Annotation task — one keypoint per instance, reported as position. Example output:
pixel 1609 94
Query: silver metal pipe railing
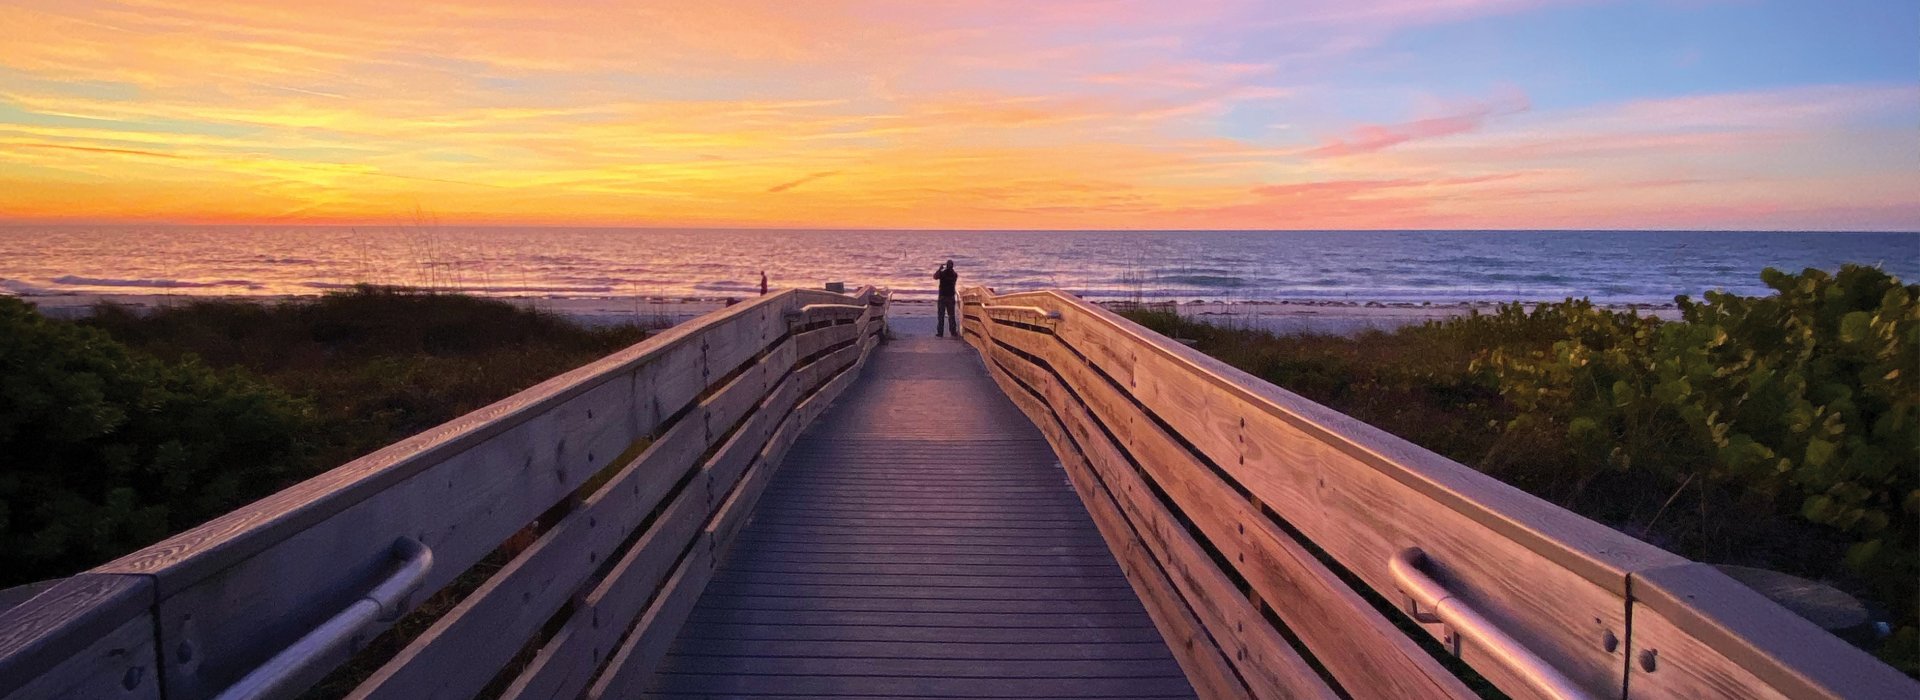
pixel 1052 315
pixel 1429 603
pixel 810 308
pixel 297 666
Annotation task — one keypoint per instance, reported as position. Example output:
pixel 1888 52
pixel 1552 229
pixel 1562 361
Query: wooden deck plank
pixel 806 635
pixel 866 590
pixel 765 553
pixel 870 545
pixel 993 668
pixel 970 619
pixel 921 540
pixel 903 538
pixel 1021 606
pixel 894 686
pixel 1026 651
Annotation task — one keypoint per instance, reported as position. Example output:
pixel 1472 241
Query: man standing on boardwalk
pixel 944 313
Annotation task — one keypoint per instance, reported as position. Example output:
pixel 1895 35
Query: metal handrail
pixel 290 671
pixel 810 308
pixel 1050 314
pixel 1462 621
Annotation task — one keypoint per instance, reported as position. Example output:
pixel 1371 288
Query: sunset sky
pixel 966 114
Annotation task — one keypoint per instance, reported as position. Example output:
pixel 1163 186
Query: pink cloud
pixel 1369 138
pixel 1548 145
pixel 1331 188
pixel 1349 188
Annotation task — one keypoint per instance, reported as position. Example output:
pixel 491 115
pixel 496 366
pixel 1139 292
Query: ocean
pixel 1440 267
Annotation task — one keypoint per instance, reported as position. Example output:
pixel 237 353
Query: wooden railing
pixel 1285 550
pixel 264 601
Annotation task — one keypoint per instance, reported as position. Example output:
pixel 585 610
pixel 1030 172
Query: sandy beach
pixel 1343 318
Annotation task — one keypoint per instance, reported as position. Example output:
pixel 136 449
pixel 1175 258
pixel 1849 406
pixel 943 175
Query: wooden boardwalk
pixel 920 541
pixel 1064 505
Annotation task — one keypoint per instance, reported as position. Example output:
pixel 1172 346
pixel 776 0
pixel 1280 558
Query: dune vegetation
pixel 125 427
pixel 1781 431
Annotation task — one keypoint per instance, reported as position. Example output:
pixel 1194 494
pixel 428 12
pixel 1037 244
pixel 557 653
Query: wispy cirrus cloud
pixel 1348 188
pixel 810 177
pixel 91 149
pixel 1369 138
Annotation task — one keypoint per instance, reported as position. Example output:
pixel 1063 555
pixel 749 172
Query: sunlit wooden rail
pixel 1173 527
pixel 252 603
pixel 1285 549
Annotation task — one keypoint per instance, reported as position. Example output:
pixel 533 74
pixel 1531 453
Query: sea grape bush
pixel 377 363
pixel 121 428
pixel 1806 401
pixel 104 449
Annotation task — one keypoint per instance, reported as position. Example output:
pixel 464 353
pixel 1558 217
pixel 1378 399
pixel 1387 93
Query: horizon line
pixel 5 223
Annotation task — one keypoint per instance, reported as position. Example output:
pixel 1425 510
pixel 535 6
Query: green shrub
pixel 1803 402
pixel 108 449
pixel 379 364
pixel 124 428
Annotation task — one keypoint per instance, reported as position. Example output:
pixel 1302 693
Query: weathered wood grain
pixel 755 440
pixel 226 595
pixel 740 503
pixel 1203 661
pixel 89 636
pixel 486 629
pixel 273 584
pixel 739 396
pixel 835 623
pixel 1264 660
pixel 229 538
pixel 492 623
pixel 813 341
pixel 1556 581
pixel 1699 634
pixel 748 686
pixel 733 344
pixel 627 672
pixel 1361 515
pixel 1359 646
pixel 728 465
pixel 748 435
pixel 567 664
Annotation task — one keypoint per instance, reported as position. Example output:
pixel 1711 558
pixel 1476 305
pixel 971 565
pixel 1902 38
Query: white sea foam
pixel 79 281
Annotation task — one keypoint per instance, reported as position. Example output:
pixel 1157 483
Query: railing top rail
pixel 1035 310
pixel 1598 553
pixel 1786 652
pixel 55 625
pixel 247 531
pixel 81 614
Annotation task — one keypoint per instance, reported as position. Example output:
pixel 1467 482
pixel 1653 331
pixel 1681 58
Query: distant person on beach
pixel 944 313
pixel 763 283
